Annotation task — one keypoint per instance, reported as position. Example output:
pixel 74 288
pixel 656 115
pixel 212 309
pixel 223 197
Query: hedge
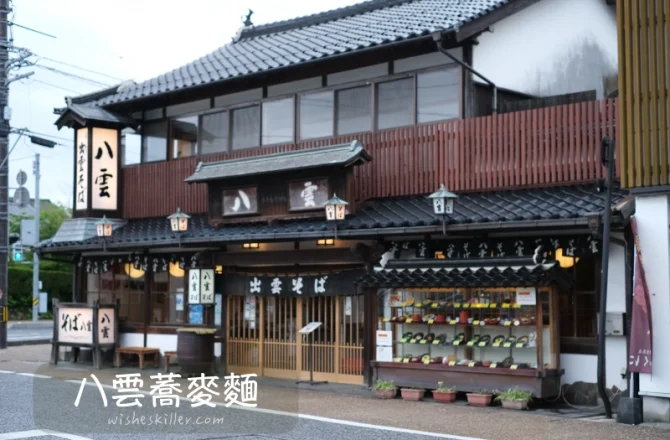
pixel 56 281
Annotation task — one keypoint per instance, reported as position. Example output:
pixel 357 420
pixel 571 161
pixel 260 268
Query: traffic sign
pixel 36 301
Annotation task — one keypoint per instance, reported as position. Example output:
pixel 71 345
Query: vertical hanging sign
pixel 105 169
pixel 194 286
pixel 81 169
pixel 207 286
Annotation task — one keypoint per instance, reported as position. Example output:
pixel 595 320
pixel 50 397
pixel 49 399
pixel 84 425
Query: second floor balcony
pixel 548 146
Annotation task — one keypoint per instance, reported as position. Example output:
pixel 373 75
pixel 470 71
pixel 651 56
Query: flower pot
pixel 386 394
pixel 444 397
pixel 409 394
pixel 479 399
pixel 514 404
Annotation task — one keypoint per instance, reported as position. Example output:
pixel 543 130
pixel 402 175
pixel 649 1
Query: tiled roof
pixel 334 155
pixel 292 42
pixel 446 274
pixel 564 206
pixel 81 113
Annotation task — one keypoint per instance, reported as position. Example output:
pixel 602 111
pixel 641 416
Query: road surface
pixel 21 333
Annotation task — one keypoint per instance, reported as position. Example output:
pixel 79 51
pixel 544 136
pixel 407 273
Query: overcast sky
pixel 122 39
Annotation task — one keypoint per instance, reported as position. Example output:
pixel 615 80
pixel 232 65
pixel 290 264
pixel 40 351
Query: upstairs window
pixel 214 133
pixel 354 112
pixel 246 127
pixel 316 115
pixel 278 121
pixel 131 147
pixel 184 136
pixel 395 103
pixel 154 141
pixel 437 95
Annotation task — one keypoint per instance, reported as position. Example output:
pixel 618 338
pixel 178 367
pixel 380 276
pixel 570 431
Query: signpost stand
pixel 85 326
pixel 308 331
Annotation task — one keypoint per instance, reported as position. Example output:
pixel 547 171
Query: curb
pixel 28 342
pixel 29 325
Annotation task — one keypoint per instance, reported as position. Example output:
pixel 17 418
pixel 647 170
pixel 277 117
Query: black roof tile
pixel 408 212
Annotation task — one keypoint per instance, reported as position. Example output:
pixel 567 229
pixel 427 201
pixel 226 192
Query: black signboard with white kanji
pixel 292 285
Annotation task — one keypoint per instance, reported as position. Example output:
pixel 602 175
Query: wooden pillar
pixel 146 301
pixel 370 330
pixel 468 99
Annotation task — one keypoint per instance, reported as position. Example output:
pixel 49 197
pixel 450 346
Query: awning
pixel 79 115
pixel 343 155
pixel 436 273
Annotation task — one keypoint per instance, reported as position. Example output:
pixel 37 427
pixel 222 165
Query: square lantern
pixel 336 208
pixel 104 228
pixel 443 201
pixel 179 221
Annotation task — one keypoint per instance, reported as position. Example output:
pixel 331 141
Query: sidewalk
pixel 358 405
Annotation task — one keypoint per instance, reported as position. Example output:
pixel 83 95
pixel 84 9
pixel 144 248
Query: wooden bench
pixel 140 352
pixel 167 356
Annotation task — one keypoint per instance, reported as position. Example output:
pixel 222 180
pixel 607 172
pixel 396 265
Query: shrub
pixel 384 385
pixel 516 394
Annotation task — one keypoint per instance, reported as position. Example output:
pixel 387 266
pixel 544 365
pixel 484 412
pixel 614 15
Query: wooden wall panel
pixel 644 84
pixel 530 148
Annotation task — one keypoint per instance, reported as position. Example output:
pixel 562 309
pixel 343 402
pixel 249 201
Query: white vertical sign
pixel 81 169
pixel 218 309
pixel 105 169
pixel 194 286
pixel 207 286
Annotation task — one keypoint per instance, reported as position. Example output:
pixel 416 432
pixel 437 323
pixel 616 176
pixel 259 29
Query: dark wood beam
pixel 286 258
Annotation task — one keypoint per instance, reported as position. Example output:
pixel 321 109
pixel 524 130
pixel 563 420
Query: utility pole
pixel 4 170
pixel 36 257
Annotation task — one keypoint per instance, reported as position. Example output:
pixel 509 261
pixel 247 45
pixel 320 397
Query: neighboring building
pixel 252 139
pixel 644 138
pixel 25 210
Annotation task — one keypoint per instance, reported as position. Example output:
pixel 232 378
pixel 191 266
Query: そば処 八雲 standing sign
pixel 194 286
pixel 104 169
pixel 81 169
pixel 207 286
pixel 75 325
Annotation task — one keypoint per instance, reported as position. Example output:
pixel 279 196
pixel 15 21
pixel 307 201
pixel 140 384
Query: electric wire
pixel 81 68
pixel 55 86
pixel 72 75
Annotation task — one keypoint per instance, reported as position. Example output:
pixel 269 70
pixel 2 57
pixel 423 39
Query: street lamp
pixel 179 223
pixel 336 210
pixel 104 229
pixel 443 204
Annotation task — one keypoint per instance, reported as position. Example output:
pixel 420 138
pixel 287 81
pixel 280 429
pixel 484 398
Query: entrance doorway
pixel 262 337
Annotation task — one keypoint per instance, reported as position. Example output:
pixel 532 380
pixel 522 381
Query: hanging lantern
pixel 179 221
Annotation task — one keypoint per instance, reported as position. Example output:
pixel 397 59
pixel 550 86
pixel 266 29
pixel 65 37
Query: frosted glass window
pixel 246 127
pixel 354 112
pixel 316 115
pixel 154 141
pixel 437 95
pixel 214 133
pixel 278 121
pixel 395 103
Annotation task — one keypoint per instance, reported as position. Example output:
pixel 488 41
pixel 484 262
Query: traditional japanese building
pixel 296 162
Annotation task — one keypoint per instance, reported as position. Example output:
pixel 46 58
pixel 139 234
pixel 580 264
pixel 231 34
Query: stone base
pixel 586 394
pixel 656 409
pixel 629 411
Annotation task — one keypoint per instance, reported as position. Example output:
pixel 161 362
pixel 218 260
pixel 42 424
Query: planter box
pixel 479 399
pixel 444 397
pixel 410 394
pixel 514 404
pixel 386 394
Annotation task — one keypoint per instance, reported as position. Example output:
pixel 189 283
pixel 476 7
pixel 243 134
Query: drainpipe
pixel 607 149
pixel 437 37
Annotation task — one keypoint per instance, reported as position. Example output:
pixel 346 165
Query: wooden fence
pixel 541 147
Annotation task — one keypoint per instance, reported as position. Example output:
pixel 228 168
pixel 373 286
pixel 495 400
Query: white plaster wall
pixel 579 368
pixel 653 218
pixel 131 339
pixel 552 47
pixel 162 342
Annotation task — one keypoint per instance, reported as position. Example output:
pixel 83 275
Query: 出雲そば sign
pixel 104 169
pixel 81 170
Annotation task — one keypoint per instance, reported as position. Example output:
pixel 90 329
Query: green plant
pixel 482 392
pixel 442 389
pixel 516 394
pixel 384 385
pixel 414 388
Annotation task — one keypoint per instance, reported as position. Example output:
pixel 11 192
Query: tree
pixel 51 217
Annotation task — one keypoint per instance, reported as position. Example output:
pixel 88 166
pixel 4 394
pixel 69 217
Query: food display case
pixel 472 338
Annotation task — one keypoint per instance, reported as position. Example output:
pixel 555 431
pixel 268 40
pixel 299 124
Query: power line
pixel 32 30
pixel 56 86
pixel 49 135
pixel 81 68
pixel 72 75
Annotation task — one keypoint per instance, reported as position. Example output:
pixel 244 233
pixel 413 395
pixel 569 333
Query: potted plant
pixel 480 398
pixel 444 394
pixel 385 389
pixel 414 394
pixel 515 399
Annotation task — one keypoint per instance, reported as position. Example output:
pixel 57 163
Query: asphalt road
pixel 21 333
pixel 44 408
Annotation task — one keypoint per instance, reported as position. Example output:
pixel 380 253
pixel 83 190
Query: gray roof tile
pixel 289 42
pixel 567 202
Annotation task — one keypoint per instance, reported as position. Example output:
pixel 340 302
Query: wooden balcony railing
pixel 541 147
